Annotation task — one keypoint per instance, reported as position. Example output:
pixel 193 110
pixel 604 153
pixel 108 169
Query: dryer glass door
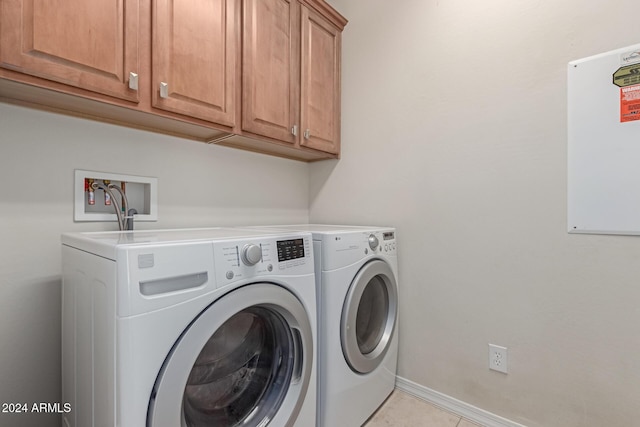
pixel 369 316
pixel 244 361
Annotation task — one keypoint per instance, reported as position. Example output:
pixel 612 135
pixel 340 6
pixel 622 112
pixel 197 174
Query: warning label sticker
pixel 630 103
pixel 627 76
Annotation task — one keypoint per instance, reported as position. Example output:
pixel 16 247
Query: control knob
pixel 373 242
pixel 251 254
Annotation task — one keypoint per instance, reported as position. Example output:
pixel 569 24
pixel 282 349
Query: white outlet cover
pixel 498 358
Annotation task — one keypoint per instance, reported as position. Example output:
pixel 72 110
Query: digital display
pixel 388 235
pixel 290 249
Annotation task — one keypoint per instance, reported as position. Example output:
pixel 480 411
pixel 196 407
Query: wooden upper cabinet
pixel 195 58
pixel 261 75
pixel 90 44
pixel 291 72
pixel 270 61
pixel 320 83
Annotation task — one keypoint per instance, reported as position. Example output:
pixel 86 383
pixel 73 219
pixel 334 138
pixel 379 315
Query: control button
pixel 230 274
pixel 251 254
pixel 366 251
pixel 270 267
pixel 386 248
pixel 373 241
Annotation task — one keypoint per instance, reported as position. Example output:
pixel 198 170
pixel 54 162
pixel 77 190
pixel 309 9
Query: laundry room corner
pixel 455 132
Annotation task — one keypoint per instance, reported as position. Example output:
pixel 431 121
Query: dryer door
pixel 369 316
pixel 244 361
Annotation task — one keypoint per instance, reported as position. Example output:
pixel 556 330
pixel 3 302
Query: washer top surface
pixel 105 243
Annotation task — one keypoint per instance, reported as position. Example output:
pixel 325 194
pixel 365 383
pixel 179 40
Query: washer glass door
pixel 243 369
pixel 369 316
pixel 244 361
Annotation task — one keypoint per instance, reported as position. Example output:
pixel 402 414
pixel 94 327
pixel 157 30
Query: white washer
pixel 193 327
pixel 356 277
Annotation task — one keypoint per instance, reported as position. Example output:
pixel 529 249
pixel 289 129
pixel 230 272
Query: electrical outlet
pixel 498 358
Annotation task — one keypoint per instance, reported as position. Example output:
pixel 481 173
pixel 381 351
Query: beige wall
pixel 198 185
pixel 454 131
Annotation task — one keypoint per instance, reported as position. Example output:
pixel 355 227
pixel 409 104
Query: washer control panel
pixel 263 256
pixel 251 254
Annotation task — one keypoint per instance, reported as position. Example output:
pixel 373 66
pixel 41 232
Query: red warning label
pixel 630 103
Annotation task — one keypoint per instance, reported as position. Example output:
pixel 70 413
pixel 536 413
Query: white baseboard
pixel 470 412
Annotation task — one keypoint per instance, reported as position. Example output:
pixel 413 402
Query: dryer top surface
pixel 327 229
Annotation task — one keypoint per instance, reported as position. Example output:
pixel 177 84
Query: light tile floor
pixel 403 410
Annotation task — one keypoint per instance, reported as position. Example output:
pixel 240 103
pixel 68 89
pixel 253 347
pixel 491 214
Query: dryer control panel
pixel 277 256
pixel 342 249
pixel 382 242
pixel 388 243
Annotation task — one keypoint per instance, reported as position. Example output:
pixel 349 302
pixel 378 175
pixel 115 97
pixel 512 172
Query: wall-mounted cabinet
pixel 194 53
pixel 259 75
pixel 320 82
pixel 270 62
pixel 89 44
pixel 291 75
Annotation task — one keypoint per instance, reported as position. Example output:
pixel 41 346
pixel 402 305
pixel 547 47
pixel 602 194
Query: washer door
pixel 244 361
pixel 369 316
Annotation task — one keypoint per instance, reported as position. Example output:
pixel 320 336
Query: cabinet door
pixel 195 51
pixel 320 83
pixel 90 44
pixel 270 80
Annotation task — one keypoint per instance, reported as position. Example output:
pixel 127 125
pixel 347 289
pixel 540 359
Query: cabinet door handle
pixel 307 134
pixel 133 81
pixel 164 90
pixel 294 130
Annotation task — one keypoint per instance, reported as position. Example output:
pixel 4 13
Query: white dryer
pixel 357 285
pixel 193 327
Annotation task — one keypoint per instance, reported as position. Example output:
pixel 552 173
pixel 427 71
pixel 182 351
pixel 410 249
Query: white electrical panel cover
pixel 604 143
